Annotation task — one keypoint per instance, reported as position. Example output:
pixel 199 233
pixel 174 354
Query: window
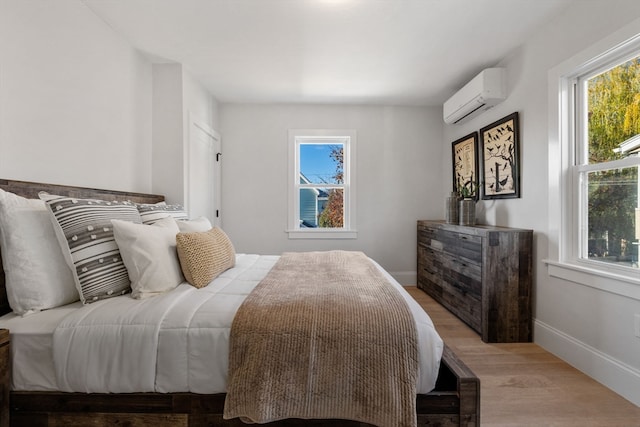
pixel 599 147
pixel 607 143
pixel 321 184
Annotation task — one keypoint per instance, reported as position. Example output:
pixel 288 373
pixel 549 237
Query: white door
pixel 204 173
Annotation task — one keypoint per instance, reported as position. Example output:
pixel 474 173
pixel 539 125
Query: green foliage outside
pixel 333 214
pixel 614 116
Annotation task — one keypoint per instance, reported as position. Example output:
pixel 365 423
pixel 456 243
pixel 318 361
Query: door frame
pixel 198 122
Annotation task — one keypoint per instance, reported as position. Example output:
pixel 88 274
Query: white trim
pixel 322 233
pixel 618 376
pixel 195 121
pixel 564 178
pixel 205 128
pixel 405 278
pixel 585 275
pixel 349 139
pixel 614 164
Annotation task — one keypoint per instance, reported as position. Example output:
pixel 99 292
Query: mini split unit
pixel 485 90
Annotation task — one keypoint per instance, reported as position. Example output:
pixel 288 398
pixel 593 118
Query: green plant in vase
pixel 467 211
pixel 468 190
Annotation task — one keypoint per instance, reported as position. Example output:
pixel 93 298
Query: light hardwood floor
pixel 523 385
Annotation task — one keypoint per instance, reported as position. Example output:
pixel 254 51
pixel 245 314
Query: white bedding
pixel 175 342
pixel 32 349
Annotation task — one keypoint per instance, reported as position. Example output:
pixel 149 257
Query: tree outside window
pixel 613 121
pixel 332 215
pixel 322 188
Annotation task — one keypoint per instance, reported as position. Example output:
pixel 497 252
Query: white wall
pixel 80 106
pixel 168 132
pixel 199 102
pixel 399 154
pixel 177 97
pixel 590 328
pixel 75 99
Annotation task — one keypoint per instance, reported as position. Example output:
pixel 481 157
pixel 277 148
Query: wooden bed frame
pixel 455 401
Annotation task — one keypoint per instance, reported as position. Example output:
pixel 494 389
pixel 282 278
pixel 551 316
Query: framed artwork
pixel 499 144
pixel 464 154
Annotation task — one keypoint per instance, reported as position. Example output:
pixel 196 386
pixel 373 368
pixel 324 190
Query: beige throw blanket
pixel 324 335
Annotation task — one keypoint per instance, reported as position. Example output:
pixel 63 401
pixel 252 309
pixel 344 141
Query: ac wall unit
pixel 483 92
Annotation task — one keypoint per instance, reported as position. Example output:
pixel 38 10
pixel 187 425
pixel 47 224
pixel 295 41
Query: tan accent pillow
pixel 204 255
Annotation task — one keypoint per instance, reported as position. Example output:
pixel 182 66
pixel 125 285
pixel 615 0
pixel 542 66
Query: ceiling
pixel 398 52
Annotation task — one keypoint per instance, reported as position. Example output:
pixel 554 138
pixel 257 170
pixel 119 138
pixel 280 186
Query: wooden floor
pixel 524 385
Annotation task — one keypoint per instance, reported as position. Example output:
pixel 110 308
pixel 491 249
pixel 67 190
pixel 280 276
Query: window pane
pixel 612 204
pixel 614 112
pixel 321 163
pixel 321 207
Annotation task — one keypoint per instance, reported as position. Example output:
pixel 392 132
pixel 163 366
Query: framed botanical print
pixel 499 150
pixel 464 153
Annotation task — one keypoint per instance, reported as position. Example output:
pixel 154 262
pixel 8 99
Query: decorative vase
pixel 451 208
pixel 467 212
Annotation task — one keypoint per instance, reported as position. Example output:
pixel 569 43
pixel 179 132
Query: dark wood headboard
pixel 31 189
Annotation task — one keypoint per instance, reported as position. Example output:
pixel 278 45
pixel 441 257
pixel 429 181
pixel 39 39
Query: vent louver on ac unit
pixel 483 92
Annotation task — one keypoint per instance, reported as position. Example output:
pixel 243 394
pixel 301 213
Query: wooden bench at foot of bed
pixel 454 402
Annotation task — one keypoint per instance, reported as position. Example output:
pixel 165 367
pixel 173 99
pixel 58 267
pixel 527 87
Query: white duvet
pixel 179 341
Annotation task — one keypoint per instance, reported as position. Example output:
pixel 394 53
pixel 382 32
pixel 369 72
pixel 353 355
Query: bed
pixel 453 401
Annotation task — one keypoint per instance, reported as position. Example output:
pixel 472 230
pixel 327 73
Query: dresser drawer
pixel 462 245
pixel 464 276
pixel 430 263
pixel 458 244
pixel 429 271
pixel 467 307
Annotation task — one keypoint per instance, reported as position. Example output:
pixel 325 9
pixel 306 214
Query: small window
pixel 321 189
pixel 605 173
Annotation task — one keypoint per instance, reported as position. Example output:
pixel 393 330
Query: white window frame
pixel 346 137
pixel 567 206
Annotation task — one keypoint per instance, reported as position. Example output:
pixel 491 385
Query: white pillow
pixel 149 253
pixel 194 225
pixel 37 276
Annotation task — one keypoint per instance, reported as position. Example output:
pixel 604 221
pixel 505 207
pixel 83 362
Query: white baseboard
pixel 616 375
pixel 405 278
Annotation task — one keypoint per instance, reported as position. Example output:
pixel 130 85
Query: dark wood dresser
pixel 482 274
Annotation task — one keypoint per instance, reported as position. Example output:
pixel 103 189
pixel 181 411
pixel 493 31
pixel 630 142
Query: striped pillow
pixel 150 213
pixel 85 233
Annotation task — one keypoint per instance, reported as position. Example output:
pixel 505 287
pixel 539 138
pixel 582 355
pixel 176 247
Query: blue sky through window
pixel 316 163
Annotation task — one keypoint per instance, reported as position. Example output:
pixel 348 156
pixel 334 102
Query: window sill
pixel 322 234
pixel 607 281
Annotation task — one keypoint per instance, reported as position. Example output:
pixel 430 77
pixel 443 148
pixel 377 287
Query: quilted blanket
pixel 179 341
pixel 324 335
